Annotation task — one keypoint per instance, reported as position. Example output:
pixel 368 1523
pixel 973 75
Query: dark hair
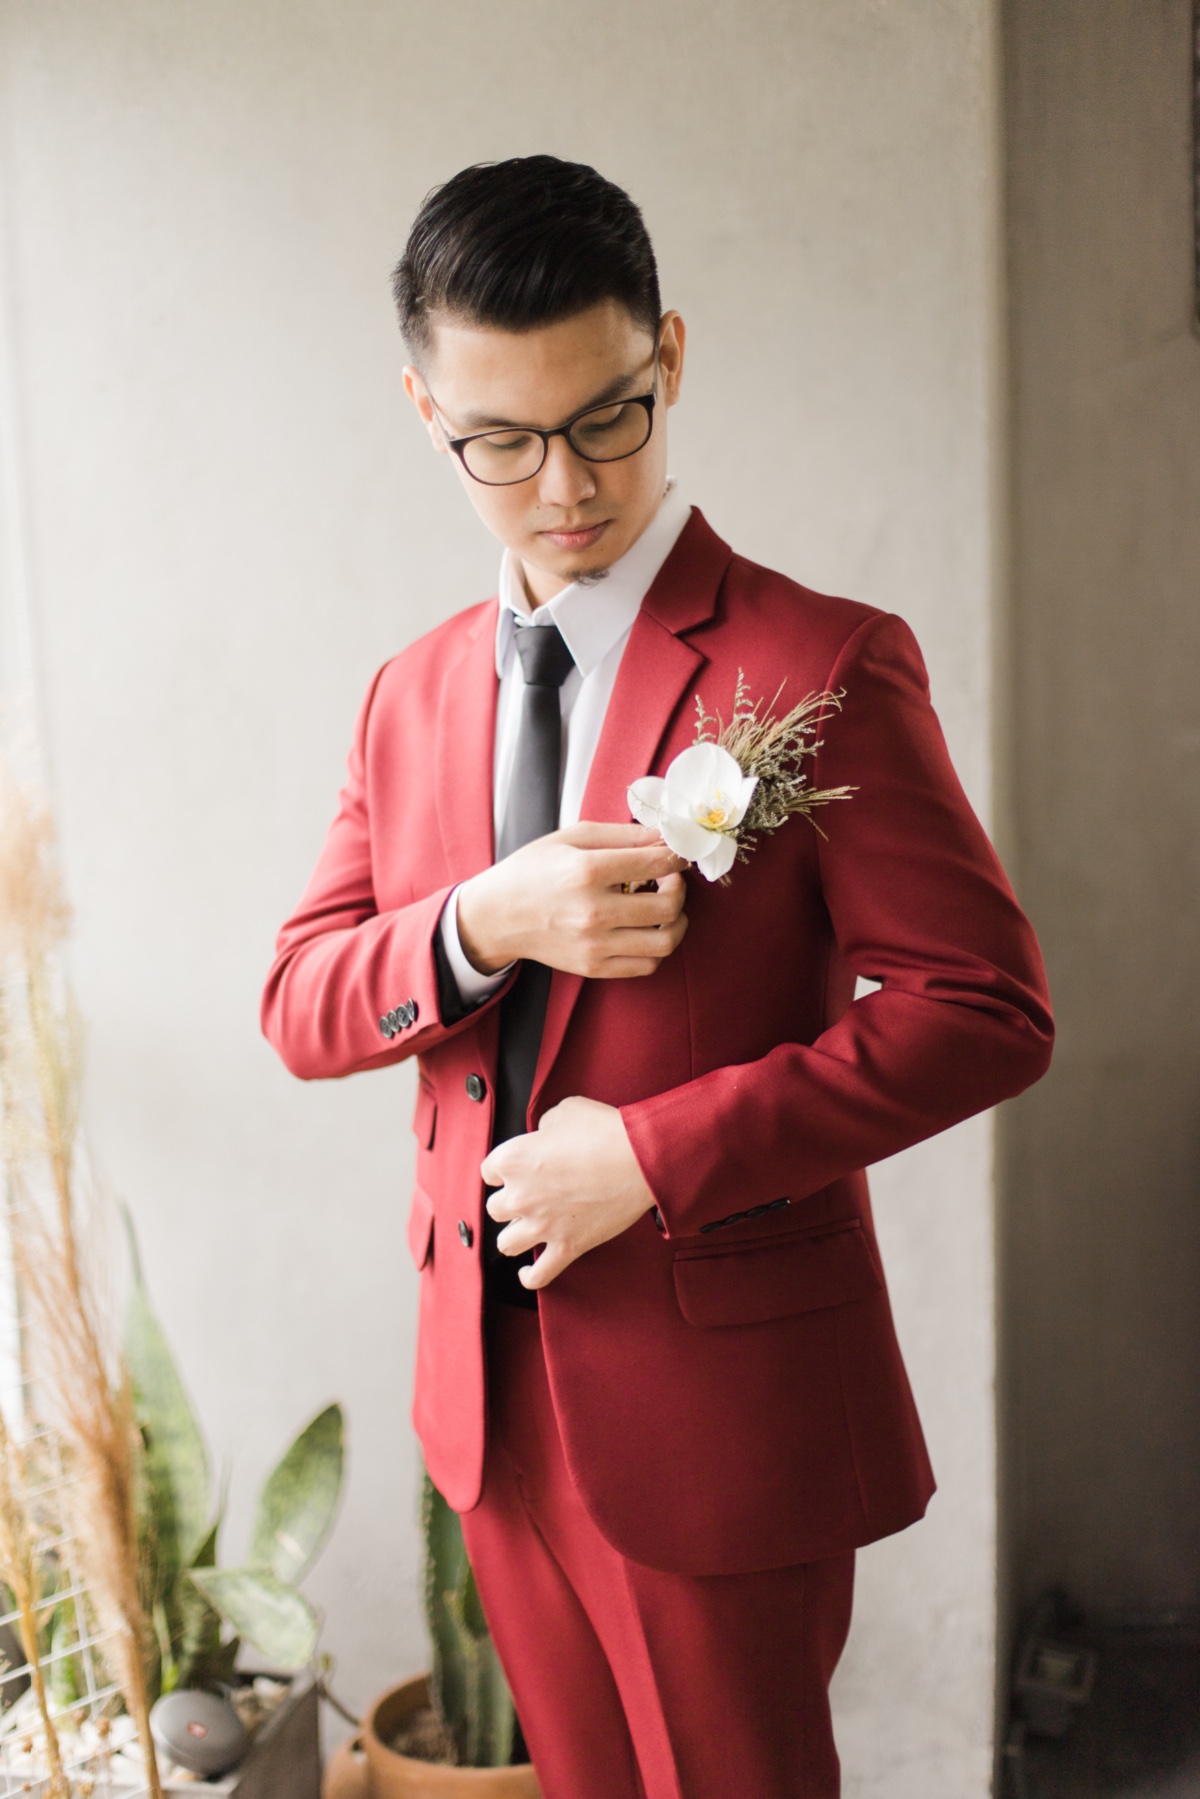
pixel 523 243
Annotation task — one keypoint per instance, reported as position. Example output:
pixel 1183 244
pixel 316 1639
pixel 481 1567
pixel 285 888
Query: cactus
pixel 466 1684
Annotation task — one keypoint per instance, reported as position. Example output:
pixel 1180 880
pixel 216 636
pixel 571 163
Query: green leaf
pixel 166 1678
pixel 178 1487
pixel 297 1505
pixel 445 1559
pixel 498 1717
pixel 271 1616
pixel 489 1715
pixel 206 1552
pixel 467 1682
pixel 65 1672
pixel 197 1632
pixel 217 1669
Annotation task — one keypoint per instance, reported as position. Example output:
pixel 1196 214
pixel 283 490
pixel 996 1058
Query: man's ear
pixel 418 393
pixel 672 338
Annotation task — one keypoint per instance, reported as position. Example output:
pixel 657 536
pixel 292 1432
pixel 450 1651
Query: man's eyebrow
pixel 616 389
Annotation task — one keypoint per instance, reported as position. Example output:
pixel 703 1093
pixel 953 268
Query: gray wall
pixel 231 520
pixel 1100 1216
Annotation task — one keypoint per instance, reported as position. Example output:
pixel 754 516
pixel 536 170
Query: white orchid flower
pixel 697 806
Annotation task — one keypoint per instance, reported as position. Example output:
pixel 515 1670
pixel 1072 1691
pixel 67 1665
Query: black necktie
pixel 531 811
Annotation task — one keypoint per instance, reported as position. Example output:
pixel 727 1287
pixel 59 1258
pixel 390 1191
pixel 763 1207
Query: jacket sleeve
pixel 918 901
pixel 352 987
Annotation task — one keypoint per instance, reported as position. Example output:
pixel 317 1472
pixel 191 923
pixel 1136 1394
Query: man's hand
pixel 572 1184
pixel 559 901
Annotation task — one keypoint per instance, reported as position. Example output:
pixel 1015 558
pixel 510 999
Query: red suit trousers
pixel 632 1682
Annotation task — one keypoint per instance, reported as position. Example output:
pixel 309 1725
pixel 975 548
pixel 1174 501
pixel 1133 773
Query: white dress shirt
pixel 595 622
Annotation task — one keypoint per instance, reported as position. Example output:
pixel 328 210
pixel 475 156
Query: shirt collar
pixel 593 618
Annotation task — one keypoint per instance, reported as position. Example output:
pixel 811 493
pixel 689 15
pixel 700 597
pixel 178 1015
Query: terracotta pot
pixel 368 1769
pixel 346 1773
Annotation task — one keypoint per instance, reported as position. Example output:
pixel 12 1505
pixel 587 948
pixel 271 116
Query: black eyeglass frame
pixel 647 401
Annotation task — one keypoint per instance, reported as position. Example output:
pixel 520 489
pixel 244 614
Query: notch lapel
pixel 465 749
pixel 658 671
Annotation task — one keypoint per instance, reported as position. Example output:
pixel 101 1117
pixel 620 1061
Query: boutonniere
pixel 737 781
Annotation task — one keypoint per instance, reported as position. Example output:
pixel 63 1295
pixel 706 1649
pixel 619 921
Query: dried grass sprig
pixel 19 1571
pixel 773 748
pixel 88 1402
pixel 78 1372
pixel 33 909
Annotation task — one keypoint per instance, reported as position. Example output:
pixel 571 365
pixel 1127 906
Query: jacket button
pixel 466 1233
pixel 386 1026
pixel 476 1087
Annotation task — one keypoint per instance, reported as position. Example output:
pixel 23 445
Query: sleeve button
pixel 466 1233
pixel 476 1088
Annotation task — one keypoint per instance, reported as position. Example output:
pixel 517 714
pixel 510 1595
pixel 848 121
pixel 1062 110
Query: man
pixel 656 1368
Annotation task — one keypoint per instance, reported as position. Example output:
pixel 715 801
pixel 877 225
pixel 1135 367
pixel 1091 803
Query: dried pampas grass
pixel 82 1389
pixel 19 1571
pixel 33 911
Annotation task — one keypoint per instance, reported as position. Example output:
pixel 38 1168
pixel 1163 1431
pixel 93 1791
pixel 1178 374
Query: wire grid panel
pixel 96 1741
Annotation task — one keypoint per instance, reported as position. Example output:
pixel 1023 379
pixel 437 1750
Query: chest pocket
pixel 751 1283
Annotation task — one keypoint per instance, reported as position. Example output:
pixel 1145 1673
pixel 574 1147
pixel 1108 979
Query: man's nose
pixel 564 479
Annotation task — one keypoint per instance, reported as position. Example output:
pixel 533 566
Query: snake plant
pixel 190 1598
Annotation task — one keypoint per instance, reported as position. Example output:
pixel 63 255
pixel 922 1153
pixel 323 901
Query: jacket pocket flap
pixel 420 1227
pixel 755 1282
pixel 425 1116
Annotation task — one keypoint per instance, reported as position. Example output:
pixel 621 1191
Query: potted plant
pixel 110 1592
pixel 188 1594
pixel 451 1734
pixel 202 1613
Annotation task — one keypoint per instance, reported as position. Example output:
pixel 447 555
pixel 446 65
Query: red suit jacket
pixel 728 1386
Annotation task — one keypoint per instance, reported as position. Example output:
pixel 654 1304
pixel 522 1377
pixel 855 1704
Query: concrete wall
pixel 1100 1222
pixel 230 521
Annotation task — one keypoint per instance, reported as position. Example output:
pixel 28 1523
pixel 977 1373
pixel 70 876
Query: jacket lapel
pixel 658 673
pixel 465 748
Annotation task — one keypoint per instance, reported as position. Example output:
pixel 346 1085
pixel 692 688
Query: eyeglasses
pixel 601 434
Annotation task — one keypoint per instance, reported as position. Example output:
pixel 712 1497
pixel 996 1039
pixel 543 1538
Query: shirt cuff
pixel 473 987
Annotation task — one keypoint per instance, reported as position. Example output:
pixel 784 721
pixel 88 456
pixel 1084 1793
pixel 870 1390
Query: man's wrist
pixel 471 935
pixel 474 984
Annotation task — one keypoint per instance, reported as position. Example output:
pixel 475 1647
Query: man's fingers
pixel 639 953
pixel 643 911
pixel 627 968
pixel 499 1164
pixel 672 887
pixel 646 862
pixel 656 903
pixel 553 1259
pixel 502 1162
pixel 590 835
pixel 657 943
pixel 517 1237
pixel 498 1205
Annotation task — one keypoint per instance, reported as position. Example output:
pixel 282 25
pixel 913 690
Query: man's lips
pixel 580 539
